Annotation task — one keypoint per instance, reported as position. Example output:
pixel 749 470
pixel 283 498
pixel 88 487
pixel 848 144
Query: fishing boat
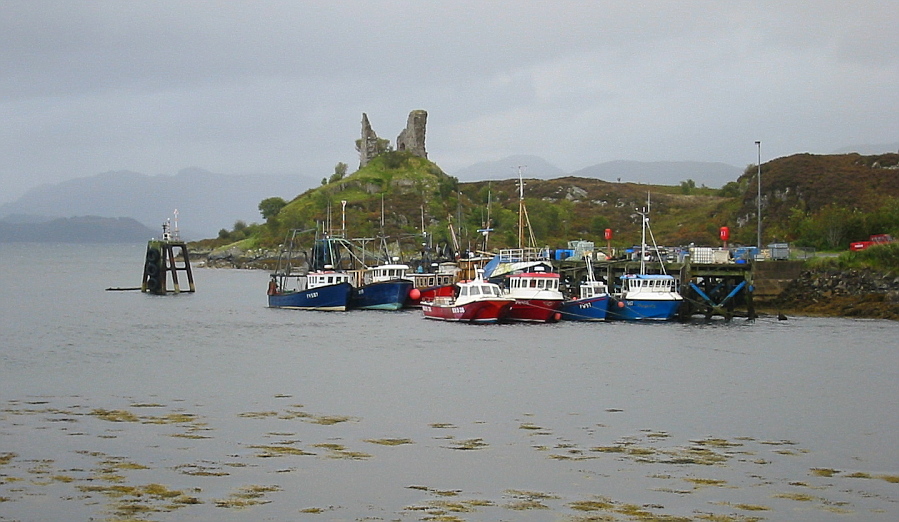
pixel 327 291
pixel 646 296
pixel 475 302
pixel 537 297
pixel 293 285
pixel 592 302
pixel 384 287
pixel 428 285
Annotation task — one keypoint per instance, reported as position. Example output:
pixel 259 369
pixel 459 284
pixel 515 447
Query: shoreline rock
pixel 859 293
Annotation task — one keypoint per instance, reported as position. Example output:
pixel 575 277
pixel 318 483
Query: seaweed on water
pixel 390 442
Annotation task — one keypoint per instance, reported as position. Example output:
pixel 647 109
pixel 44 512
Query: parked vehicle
pixel 876 239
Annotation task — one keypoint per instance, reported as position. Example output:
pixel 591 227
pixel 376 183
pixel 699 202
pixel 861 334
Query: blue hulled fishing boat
pixel 592 302
pixel 297 284
pixel 646 296
pixel 384 287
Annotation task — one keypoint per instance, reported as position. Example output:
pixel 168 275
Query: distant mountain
pixel 86 229
pixel 206 202
pixel 532 167
pixel 713 175
pixel 869 149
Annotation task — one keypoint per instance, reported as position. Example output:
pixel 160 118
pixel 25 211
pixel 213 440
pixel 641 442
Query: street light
pixel 758 144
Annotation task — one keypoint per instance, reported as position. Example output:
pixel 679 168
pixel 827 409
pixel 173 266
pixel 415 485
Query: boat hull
pixel 535 310
pixel 484 311
pixel 587 309
pixel 332 298
pixel 384 295
pixel 623 309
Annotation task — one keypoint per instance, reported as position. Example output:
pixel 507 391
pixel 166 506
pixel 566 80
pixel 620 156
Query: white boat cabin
pixel 383 273
pixel 479 288
pixel 651 287
pixel 535 285
pixel 471 291
pixel 320 279
pixel 591 289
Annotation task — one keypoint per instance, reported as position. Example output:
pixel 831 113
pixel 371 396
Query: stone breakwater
pixel 844 293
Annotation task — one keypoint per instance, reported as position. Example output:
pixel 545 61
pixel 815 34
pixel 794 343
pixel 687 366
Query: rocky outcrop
pixel 845 293
pixel 234 257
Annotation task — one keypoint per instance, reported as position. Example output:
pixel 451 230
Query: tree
pixel 339 172
pixel 269 207
pixel 686 187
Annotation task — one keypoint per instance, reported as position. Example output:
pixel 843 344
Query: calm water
pixel 210 406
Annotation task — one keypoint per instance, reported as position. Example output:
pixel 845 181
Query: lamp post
pixel 758 145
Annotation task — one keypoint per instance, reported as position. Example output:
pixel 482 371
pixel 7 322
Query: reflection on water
pixel 209 406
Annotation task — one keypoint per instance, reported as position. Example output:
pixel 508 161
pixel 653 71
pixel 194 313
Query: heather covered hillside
pixel 818 201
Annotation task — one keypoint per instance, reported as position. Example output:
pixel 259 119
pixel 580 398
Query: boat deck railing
pixel 510 255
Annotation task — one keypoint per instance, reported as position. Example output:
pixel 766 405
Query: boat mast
pixel 523 214
pixel 645 218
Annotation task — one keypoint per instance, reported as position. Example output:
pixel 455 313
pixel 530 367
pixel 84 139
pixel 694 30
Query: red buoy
pixel 724 233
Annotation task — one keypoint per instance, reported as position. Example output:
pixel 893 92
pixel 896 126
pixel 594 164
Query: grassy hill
pixel 821 201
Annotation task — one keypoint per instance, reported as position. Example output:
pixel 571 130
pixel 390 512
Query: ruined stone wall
pixel 368 145
pixel 412 138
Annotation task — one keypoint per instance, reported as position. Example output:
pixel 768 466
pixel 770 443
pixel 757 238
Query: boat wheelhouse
pixel 474 302
pixel 384 287
pixel 592 303
pixel 537 297
pixel 646 297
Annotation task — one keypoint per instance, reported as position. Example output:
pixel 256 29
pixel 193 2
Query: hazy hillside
pixel 532 167
pixel 819 201
pixel 709 174
pixel 205 201
pixel 870 149
pixel 713 175
pixel 86 229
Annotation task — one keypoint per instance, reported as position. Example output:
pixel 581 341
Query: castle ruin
pixel 411 139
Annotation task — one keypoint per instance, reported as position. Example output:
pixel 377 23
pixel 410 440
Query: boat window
pixel 463 291
pixel 533 283
pixel 475 290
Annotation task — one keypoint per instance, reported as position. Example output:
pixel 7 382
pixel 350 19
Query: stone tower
pixel 412 138
pixel 368 145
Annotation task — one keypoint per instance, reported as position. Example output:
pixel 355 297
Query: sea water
pixel 118 405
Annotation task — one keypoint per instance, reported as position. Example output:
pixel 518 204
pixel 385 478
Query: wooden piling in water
pixel 161 264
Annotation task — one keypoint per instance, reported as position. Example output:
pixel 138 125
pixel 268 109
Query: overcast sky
pixel 280 87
